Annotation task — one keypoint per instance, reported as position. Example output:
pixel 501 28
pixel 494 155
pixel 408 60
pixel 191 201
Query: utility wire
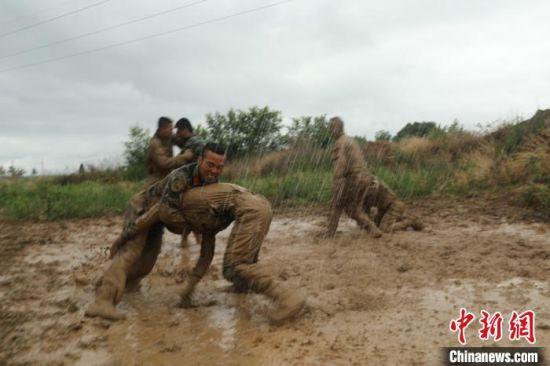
pixel 103 29
pixel 39 12
pixel 53 18
pixel 155 35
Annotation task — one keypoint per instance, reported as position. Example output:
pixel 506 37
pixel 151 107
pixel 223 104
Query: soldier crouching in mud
pixel 133 258
pixel 359 193
pixel 211 209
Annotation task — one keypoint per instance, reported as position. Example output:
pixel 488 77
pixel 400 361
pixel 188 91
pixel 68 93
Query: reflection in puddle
pixel 224 319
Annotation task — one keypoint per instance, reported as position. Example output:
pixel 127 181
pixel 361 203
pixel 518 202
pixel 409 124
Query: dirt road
pixel 384 301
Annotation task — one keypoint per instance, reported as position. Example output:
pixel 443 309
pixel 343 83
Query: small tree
pixel 417 129
pixel 246 132
pixel 309 129
pixel 2 171
pixel 34 172
pixel 15 172
pixel 382 135
pixel 135 153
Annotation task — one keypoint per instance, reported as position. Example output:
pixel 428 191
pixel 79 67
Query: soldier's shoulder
pixel 155 141
pixel 184 170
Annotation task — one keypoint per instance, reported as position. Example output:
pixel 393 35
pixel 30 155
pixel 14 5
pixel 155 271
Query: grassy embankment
pixel 512 162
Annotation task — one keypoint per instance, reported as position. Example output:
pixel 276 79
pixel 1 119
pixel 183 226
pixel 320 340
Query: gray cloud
pixel 377 64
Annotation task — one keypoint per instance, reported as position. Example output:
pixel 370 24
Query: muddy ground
pixel 384 301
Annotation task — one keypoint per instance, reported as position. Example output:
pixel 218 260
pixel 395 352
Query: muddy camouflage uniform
pixel 161 160
pixel 357 192
pixel 194 143
pixel 135 252
pixel 192 147
pixel 212 208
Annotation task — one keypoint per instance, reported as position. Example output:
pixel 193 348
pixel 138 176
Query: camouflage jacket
pixel 194 143
pixel 168 192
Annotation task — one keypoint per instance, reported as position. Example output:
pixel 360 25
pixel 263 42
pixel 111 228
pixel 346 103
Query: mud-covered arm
pixel 162 159
pixel 205 259
pixel 335 207
pixel 203 263
pixel 170 211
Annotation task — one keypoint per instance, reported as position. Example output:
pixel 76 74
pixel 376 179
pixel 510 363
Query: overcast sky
pixel 378 64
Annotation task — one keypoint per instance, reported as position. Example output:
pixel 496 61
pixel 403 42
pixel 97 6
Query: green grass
pixel 38 199
pixel 297 188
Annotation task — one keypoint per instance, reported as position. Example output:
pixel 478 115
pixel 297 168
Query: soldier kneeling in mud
pixel 360 194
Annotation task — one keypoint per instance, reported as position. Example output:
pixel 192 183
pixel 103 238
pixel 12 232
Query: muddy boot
pixel 103 306
pixel 289 303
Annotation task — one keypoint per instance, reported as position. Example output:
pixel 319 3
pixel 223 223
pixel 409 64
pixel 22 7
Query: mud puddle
pixel 376 301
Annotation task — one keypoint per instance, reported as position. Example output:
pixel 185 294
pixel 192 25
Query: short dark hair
pixel 214 147
pixel 163 121
pixel 184 123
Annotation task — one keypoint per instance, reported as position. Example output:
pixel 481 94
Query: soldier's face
pixel 166 131
pixel 211 166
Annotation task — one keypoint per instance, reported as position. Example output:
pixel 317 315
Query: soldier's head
pixel 184 128
pixel 211 162
pixel 336 127
pixel 164 128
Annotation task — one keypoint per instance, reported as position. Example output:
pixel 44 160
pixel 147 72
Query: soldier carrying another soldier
pixel 133 256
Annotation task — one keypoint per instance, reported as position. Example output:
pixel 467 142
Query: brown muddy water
pixel 384 301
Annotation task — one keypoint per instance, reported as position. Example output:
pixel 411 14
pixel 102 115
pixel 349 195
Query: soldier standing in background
pixel 160 157
pixel 191 146
pixel 186 139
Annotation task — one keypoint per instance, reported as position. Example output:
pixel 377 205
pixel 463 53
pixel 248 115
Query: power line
pixel 102 29
pixel 53 18
pixel 41 11
pixel 155 35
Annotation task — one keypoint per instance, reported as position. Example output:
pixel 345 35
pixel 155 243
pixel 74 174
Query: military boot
pixel 103 305
pixel 289 303
pixel 258 280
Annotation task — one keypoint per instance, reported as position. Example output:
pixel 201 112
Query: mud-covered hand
pixel 185 295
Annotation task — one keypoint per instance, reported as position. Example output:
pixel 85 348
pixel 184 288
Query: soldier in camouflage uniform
pixel 187 141
pixel 357 192
pixel 135 252
pixel 212 208
pixel 160 158
pixel 191 146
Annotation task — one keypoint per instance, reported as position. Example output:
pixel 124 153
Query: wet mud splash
pixel 376 301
